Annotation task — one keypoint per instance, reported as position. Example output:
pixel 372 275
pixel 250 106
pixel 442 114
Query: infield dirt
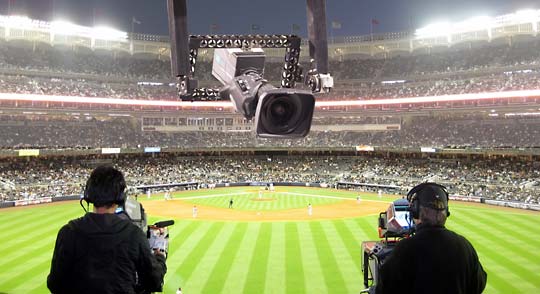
pixel 345 209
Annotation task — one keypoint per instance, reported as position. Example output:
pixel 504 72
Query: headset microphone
pixel 163 224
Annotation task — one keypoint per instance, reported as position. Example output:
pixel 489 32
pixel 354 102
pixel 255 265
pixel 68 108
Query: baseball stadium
pixel 257 209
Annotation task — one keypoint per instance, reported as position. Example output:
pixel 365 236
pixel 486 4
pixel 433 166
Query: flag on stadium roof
pixel 336 25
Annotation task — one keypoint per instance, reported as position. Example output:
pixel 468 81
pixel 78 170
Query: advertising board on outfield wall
pixel 29 152
pixel 152 149
pixel 520 205
pixel 110 150
pixel 33 201
pixel 466 198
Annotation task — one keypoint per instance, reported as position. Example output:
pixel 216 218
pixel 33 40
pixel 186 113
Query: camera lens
pixel 282 110
pixel 281 114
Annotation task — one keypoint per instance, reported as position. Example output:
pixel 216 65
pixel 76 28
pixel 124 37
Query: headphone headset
pixel 415 202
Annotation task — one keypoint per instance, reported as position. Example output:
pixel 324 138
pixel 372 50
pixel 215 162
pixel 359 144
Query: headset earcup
pixel 414 201
pixel 86 195
pixel 447 201
pixel 122 198
pixel 413 207
pixel 416 209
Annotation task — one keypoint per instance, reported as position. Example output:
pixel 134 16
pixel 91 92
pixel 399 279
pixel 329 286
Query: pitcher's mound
pixel 262 199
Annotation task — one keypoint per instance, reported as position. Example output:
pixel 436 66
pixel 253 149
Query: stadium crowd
pixel 509 81
pixel 20 55
pixel 104 74
pixel 86 88
pixel 501 179
pixel 44 58
pixel 423 131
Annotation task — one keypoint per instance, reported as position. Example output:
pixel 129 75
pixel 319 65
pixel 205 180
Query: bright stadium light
pixel 431 99
pixel 110 101
pixel 528 15
pixel 227 104
pixel 17 21
pixel 107 33
pixel 479 23
pixel 439 29
pixel 62 27
pixel 474 24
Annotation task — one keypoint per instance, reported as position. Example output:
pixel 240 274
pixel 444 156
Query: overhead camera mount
pixel 239 87
pixel 291 71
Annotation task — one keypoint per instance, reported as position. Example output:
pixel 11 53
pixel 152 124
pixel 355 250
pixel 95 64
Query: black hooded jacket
pixel 102 253
pixel 434 260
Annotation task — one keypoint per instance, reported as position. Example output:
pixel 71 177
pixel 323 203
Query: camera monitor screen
pixel 399 220
pixel 403 219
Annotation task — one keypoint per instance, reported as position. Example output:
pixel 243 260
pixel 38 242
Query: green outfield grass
pixel 279 200
pixel 274 257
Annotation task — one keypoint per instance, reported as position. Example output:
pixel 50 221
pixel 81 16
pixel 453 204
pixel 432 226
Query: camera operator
pixel 435 259
pixel 101 252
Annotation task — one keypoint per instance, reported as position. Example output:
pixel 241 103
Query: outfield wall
pixel 42 200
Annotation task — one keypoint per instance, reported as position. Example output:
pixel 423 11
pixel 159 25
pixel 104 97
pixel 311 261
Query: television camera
pixel 394 224
pixel 157 234
pixel 238 64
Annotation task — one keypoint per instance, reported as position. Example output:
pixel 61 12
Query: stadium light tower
pixel 283 112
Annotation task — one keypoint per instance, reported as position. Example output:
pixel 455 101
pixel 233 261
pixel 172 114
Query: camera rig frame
pixel 290 74
pixel 184 52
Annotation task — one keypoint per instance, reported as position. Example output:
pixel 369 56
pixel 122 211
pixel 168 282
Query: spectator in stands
pixel 502 179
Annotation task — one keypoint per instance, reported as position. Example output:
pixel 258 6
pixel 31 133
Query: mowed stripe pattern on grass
pixel 274 257
pixel 324 257
pixel 507 245
pixel 271 201
pixel 281 257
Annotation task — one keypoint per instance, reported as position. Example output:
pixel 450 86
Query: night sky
pixel 271 16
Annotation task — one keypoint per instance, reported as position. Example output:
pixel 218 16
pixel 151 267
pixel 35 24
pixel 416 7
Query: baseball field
pixel 269 243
